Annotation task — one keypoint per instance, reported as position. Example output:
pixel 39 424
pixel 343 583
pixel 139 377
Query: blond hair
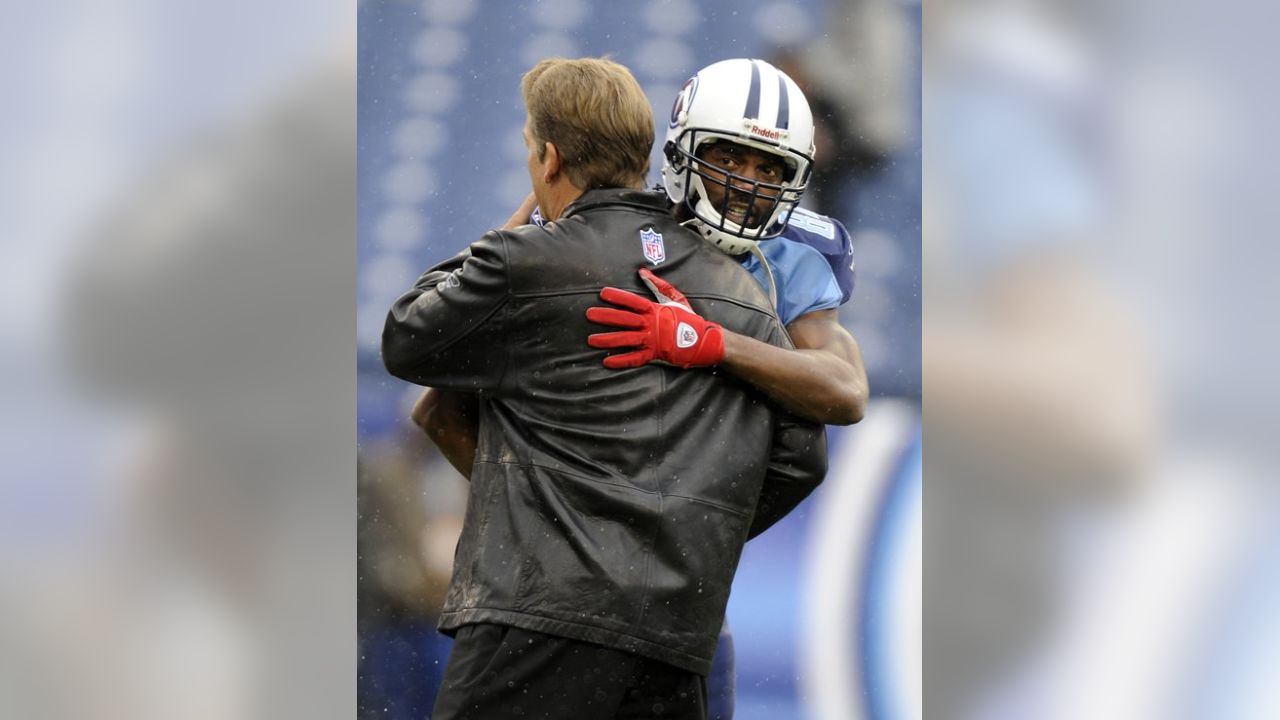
pixel 595 113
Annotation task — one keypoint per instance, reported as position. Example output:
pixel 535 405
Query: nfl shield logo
pixel 654 251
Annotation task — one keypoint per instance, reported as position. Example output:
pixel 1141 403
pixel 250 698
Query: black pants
pixel 497 672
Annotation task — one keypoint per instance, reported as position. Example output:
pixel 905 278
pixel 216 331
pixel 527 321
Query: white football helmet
pixel 752 103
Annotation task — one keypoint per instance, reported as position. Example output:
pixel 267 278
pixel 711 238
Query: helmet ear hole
pixel 672 154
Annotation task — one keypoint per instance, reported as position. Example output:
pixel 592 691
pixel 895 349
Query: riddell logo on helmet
pixel 764 132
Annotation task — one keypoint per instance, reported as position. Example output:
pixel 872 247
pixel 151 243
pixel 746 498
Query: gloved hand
pixel 666 331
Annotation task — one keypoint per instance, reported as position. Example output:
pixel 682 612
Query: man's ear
pixel 551 163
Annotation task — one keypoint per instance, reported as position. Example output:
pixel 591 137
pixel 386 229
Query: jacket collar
pixel 644 199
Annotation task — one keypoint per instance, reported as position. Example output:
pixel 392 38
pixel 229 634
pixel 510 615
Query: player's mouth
pixel 742 214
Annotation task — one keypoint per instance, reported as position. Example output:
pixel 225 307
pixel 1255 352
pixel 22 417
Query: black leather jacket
pixel 607 506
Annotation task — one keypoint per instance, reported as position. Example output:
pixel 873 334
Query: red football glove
pixel 667 331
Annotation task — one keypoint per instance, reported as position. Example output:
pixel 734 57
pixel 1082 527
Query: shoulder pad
pixel 829 237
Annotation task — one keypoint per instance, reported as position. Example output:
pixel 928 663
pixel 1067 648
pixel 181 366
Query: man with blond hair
pixel 608 508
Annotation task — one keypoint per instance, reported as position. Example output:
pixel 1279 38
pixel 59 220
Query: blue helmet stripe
pixel 784 114
pixel 753 96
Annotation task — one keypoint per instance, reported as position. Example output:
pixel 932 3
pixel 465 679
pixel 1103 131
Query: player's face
pixel 745 162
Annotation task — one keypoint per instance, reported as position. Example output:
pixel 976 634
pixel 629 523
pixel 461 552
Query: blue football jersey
pixel 812 265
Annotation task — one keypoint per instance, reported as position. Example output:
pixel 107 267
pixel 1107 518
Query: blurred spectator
pixel 410 505
pixel 857 78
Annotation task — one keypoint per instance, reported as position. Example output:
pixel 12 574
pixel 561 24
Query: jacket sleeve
pixel 447 332
pixel 797 464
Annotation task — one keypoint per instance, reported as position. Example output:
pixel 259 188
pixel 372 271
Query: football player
pixel 738 155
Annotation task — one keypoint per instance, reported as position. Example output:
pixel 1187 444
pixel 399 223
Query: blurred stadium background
pixel 826 607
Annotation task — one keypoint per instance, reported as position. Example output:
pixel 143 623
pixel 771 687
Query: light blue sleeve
pixel 802 275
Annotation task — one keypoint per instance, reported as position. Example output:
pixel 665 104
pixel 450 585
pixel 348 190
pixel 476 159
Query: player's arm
pixel 823 379
pixel 451 420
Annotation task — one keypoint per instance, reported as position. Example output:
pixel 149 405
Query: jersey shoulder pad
pixel 830 238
